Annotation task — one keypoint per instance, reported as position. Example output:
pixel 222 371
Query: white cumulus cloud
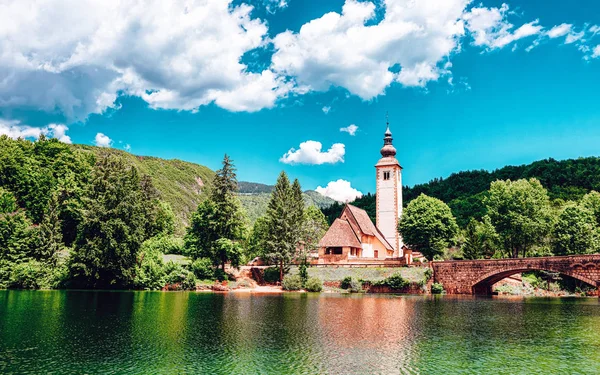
pixel 102 140
pixel 310 152
pixel 15 129
pixel 340 190
pixel 559 30
pixel 345 50
pixel 59 131
pixel 184 54
pixel 350 129
pixel 173 54
pixel 490 27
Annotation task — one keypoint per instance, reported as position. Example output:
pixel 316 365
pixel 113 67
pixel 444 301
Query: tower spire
pixel 388 150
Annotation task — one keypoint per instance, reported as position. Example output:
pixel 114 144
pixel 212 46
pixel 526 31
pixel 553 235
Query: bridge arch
pixel 484 284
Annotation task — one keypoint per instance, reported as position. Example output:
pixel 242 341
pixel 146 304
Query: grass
pixel 413 274
pixel 177 259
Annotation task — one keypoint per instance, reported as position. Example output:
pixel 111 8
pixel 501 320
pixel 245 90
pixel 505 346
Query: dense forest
pixel 85 217
pixel 464 192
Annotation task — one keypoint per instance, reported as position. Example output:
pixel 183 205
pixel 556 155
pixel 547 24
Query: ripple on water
pixel 163 333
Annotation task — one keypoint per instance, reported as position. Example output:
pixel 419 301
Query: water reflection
pixel 153 332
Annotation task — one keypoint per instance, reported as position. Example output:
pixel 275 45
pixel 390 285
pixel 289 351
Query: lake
pixel 77 332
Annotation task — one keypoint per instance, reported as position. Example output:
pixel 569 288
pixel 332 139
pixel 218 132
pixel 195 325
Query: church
pixel 353 237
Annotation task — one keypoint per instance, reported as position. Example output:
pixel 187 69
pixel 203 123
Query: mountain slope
pixel 183 185
pixel 180 183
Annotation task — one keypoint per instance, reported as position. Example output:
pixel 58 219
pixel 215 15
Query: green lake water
pixel 83 332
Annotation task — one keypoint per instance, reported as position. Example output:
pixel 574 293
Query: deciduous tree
pixel 575 231
pixel 520 212
pixel 427 225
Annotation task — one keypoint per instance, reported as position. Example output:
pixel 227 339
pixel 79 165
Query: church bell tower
pixel 389 194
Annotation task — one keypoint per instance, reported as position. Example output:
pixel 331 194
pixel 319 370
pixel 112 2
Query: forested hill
pixel 464 191
pixel 180 183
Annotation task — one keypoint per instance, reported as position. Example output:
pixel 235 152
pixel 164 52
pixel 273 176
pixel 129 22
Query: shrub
pixel 292 282
pixel 396 281
pixel 271 274
pixel 150 268
pixel 428 273
pixel 314 284
pixel 177 275
pixel 437 288
pixel 28 275
pixel 203 269
pixel 345 284
pixel 355 286
pixel 221 275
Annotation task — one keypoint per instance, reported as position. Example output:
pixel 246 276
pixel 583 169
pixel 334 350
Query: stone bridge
pixel 478 276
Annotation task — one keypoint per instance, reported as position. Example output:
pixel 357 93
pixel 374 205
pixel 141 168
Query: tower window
pixel 386 175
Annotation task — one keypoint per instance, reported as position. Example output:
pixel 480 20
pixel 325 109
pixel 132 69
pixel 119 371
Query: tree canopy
pixel 427 225
pixel 520 212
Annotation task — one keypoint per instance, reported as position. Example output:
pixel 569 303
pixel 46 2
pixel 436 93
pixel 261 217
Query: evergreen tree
pixel 313 228
pixel 220 217
pixel 50 233
pixel 113 227
pixel 281 217
pixel 481 240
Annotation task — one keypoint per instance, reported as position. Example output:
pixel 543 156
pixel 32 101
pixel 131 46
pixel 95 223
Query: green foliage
pixel 395 281
pixel 591 201
pixel 255 201
pixel 437 288
pixel 465 191
pixel 481 239
pixel 31 274
pixel 150 268
pixel 314 284
pixel 314 226
pixel 303 271
pixel 165 244
pixel 428 274
pixel 520 212
pixel 256 243
pixel 8 203
pixel 113 227
pixel 284 219
pixel 345 284
pixel 575 231
pixel 181 184
pixel 271 274
pixel 355 286
pixel 291 282
pixel 203 268
pixel 178 277
pixel 427 225
pixel 218 223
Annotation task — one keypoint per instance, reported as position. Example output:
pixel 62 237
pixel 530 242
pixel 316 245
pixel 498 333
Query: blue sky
pixel 467 85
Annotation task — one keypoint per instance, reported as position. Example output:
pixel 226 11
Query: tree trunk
pixel 223 266
pixel 281 270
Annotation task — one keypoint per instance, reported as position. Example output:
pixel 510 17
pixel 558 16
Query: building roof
pixel 340 234
pixel 366 225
